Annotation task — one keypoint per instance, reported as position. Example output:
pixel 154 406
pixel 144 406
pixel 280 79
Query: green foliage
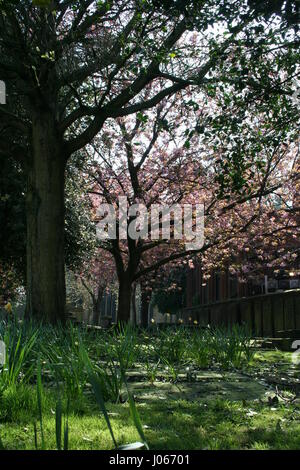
pixel 231 347
pixel 173 344
pixel 97 387
pixel 134 413
pixel 120 355
pixel 124 345
pixel 59 350
pixel 288 10
pixel 39 390
pixel 13 226
pixel 19 342
pixel 201 348
pixel 61 421
pixel 167 298
pixel 114 352
pixel 79 229
pixel 41 3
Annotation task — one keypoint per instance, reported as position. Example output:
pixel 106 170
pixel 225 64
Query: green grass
pixel 174 425
pixel 273 357
pixel 173 389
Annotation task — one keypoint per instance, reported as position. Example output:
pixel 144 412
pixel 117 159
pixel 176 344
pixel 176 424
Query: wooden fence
pixel 264 314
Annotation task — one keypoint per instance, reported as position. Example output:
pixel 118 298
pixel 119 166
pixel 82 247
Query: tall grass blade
pixel 97 390
pixel 66 427
pixel 58 423
pixel 35 436
pixel 39 400
pixel 134 413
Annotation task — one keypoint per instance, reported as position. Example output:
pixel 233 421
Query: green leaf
pixel 39 400
pixel 134 412
pixel 66 433
pixel 96 385
pixel 41 3
pixel 58 423
pixel 133 446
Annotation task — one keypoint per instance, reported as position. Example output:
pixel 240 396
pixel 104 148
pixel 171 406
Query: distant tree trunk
pixel 144 307
pixel 97 305
pixel 124 299
pixel 133 319
pixel 96 300
pixel 46 294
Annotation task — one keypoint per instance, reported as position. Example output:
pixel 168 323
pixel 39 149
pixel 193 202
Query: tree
pixel 70 66
pixel 98 276
pixel 154 165
pixel 146 167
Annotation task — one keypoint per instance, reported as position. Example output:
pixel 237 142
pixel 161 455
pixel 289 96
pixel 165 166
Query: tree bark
pixel 124 299
pixel 133 315
pixel 45 223
pixel 144 308
pixel 97 306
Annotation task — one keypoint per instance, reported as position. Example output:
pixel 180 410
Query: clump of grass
pixel 19 341
pixel 16 401
pixel 120 355
pixel 172 345
pixel 200 348
pixel 61 420
pixel 231 347
pixel 152 370
pixel 59 351
pixel 124 345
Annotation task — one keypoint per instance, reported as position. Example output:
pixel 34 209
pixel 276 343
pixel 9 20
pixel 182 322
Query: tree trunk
pixel 45 223
pixel 133 319
pixel 144 308
pixel 97 306
pixel 124 300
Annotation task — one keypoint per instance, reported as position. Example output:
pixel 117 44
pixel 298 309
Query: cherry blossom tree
pixel 145 159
